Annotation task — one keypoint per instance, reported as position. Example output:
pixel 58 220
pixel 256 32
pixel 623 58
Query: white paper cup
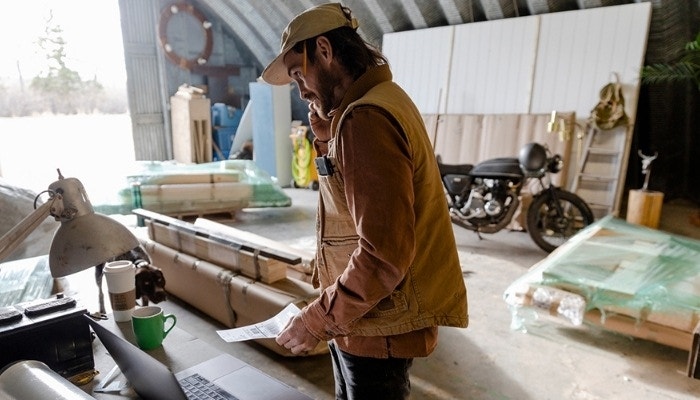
pixel 121 286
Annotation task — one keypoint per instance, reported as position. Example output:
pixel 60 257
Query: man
pixel 386 260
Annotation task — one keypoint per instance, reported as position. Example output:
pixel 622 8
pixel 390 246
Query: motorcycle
pixel 485 196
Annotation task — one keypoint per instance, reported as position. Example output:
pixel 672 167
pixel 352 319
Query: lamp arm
pixel 15 236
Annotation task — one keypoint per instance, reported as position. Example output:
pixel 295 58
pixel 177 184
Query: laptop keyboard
pixel 197 387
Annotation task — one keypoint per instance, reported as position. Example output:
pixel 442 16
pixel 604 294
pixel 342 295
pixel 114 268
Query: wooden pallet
pixel 212 214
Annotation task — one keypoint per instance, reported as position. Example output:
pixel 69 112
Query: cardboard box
pixel 268 261
pixel 225 255
pixel 230 298
pixel 307 258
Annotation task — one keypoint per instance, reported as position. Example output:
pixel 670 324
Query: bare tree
pixel 62 89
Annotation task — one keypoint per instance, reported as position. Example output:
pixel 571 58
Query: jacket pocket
pixel 394 304
pixel 335 256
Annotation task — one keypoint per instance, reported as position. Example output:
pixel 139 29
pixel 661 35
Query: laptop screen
pixel 150 379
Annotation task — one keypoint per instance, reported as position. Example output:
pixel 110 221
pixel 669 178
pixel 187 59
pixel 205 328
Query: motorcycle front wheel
pixel 552 222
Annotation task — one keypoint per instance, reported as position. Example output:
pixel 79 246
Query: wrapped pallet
pixel 621 277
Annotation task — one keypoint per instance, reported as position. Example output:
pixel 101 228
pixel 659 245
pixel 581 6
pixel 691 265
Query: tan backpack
pixel 610 110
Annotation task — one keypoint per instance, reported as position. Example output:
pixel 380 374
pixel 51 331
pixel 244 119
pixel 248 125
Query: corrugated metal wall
pixel 144 84
pixel 153 78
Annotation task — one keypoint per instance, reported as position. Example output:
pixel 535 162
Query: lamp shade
pixel 85 238
pixel 86 241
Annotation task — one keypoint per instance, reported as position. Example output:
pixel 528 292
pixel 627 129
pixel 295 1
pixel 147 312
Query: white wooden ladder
pixel 602 163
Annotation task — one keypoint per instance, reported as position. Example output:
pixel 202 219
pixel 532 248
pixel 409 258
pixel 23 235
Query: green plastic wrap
pixel 177 188
pixel 24 280
pixel 619 269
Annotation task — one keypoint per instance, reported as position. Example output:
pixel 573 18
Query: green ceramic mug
pixel 149 326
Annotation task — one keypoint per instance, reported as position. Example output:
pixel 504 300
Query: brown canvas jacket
pixel 387 264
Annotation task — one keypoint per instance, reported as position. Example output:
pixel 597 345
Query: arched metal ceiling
pixel 259 23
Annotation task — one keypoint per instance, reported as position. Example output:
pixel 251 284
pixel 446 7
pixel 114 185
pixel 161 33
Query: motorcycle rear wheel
pixel 548 227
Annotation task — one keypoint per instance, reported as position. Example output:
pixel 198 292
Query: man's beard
pixel 327 83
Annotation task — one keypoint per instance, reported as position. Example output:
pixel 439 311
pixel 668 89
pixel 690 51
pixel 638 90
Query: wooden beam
pixel 238 244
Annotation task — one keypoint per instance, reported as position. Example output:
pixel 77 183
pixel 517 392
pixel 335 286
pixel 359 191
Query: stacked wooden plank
pixel 632 279
pixel 187 190
pixel 472 138
pixel 181 192
pixel 196 198
pixel 238 281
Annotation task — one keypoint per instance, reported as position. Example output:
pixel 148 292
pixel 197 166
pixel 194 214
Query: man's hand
pixel 296 337
pixel 320 123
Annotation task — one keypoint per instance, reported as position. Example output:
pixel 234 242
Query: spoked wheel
pixel 552 222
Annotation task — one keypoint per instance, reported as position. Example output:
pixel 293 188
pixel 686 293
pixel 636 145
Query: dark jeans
pixel 364 378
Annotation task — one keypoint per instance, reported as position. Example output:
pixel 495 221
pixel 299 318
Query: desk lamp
pixel 84 239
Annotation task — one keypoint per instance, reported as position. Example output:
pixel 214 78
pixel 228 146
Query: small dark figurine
pixel 150 283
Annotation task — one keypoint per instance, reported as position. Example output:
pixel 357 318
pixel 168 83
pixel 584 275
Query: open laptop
pixel 231 377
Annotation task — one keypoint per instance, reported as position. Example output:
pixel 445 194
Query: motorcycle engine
pixel 488 200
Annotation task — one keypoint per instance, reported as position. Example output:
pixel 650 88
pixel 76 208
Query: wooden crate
pixel 190 115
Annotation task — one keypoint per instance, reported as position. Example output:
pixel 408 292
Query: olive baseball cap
pixel 308 24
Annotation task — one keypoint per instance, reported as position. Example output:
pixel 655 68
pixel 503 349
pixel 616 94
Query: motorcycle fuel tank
pixel 498 168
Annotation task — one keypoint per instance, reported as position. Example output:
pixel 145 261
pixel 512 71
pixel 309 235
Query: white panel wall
pixel 579 51
pixel 492 67
pixel 420 61
pixel 535 64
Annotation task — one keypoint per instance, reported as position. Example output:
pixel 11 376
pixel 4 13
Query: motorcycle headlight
pixel 555 164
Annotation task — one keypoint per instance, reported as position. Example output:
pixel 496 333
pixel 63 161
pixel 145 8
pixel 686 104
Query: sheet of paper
pixel 262 330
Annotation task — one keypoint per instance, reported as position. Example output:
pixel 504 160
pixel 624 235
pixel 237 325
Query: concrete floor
pixel 488 360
